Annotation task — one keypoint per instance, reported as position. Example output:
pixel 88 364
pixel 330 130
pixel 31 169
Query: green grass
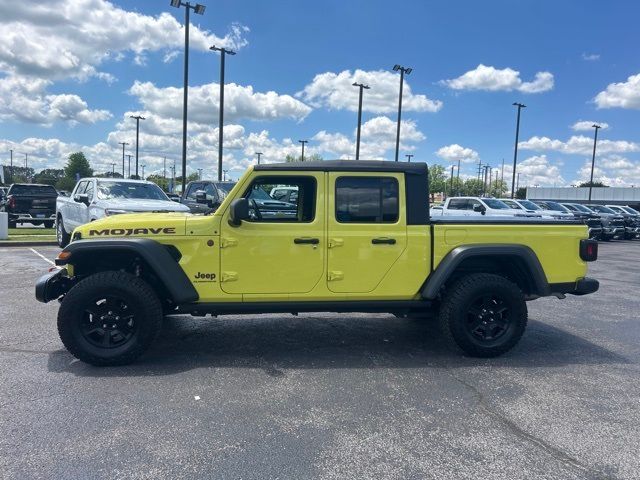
pixel 31 231
pixel 25 238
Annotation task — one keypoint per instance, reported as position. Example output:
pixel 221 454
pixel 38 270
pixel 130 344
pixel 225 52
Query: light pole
pixel 123 144
pixel 259 154
pixel 303 142
pixel 113 170
pixel 409 156
pixel 137 118
pixel 199 10
pixel 223 53
pixel 593 157
pixel 11 165
pixel 224 175
pixel 403 71
pixel 458 178
pixel 143 165
pixel 361 88
pixel 164 168
pixel 129 167
pixel 518 184
pixel 451 188
pixel 199 174
pixel 515 149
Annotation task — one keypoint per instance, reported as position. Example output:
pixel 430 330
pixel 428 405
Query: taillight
pixel 589 250
pixel 12 202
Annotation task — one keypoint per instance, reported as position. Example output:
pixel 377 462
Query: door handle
pixel 308 241
pixel 381 241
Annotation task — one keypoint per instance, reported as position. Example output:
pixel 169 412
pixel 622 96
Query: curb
pixel 28 244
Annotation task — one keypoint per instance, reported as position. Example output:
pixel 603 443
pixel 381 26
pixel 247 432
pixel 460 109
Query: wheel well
pixel 512 267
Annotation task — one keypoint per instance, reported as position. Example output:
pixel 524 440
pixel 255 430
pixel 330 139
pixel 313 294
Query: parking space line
pixel 42 257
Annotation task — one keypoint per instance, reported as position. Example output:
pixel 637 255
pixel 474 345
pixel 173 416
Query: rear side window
pixel 459 204
pixel 367 200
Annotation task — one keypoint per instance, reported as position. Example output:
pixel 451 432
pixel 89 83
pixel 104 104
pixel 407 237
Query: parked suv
pixel 474 206
pixel 611 227
pixel 537 210
pixel 30 203
pixel 631 223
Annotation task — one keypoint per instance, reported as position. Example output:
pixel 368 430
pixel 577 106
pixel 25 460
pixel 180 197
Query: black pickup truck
pixel 30 203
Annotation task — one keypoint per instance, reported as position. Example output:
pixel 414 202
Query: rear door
pixel 367 229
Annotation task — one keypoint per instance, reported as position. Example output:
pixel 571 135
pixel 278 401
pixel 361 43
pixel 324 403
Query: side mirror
pixel 82 198
pixel 238 211
pixel 201 196
pixel 480 208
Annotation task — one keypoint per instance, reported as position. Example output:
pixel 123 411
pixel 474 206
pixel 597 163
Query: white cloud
pixel 241 102
pixel 621 95
pixel 455 152
pixel 536 170
pixel 614 171
pixel 492 79
pixel 591 57
pixel 26 100
pixel 335 91
pixel 71 38
pixel 579 144
pixel 587 125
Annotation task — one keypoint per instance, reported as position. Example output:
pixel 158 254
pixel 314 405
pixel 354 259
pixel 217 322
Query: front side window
pixel 265 208
pixel 193 188
pixel 367 200
pixel 81 187
pixel 89 191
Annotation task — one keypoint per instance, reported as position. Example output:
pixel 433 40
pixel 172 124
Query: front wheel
pixel 109 318
pixel 483 314
pixel 61 234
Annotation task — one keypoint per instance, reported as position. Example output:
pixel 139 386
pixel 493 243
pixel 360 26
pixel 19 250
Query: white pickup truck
pixel 94 198
pixel 475 206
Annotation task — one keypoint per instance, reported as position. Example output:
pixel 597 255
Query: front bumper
pixel 584 286
pixel 595 232
pixel 52 285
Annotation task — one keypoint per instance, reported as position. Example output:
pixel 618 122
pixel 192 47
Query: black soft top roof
pixel 416 168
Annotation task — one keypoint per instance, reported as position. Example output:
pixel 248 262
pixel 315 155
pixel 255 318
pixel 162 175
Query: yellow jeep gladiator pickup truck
pixel 356 237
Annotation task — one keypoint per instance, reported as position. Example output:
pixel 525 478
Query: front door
pixel 367 229
pixel 281 250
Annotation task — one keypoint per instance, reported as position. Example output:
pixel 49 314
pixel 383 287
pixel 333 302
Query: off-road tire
pixel 457 320
pixel 62 237
pixel 141 301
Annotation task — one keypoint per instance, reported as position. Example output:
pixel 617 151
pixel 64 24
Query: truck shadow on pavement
pixel 275 343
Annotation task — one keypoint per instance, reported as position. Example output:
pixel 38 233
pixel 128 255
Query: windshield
pixel 43 190
pixel 529 205
pixel 495 204
pixel 581 208
pixel 258 193
pixel 225 186
pixel 148 191
pixel 630 210
pixel 512 204
pixel 554 206
pixel 602 209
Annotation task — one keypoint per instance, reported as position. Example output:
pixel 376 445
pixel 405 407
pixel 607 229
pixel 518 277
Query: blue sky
pixel 69 80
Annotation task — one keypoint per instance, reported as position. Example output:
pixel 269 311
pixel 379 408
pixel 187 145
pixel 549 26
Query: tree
pixel 159 180
pixel 472 187
pixel 309 158
pixel 78 166
pixel 66 183
pixel 49 176
pixel 437 180
pixel 594 184
pixel 109 174
pixel 521 193
pixel 18 174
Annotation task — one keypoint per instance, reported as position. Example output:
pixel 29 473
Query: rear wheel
pixel 483 314
pixel 61 234
pixel 12 224
pixel 109 318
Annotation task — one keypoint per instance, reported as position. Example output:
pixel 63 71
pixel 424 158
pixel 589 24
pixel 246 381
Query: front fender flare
pixel 155 255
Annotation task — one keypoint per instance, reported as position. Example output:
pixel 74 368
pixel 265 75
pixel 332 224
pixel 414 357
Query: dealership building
pixel 602 195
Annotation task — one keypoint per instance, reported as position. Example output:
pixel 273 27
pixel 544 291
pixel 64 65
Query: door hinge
pixel 335 275
pixel 228 242
pixel 335 242
pixel 229 276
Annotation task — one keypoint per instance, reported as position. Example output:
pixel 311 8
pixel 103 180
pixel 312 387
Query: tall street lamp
pixel 123 144
pixel 409 156
pixel 137 118
pixel 458 178
pixel 11 165
pixel 451 188
pixel 113 170
pixel 143 165
pixel 199 174
pixel 129 167
pixel 361 87
pixel 198 10
pixel 593 157
pixel 259 154
pixel 223 53
pixel 303 142
pixel 515 150
pixel 403 71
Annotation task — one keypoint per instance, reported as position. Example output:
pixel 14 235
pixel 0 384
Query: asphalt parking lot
pixel 327 396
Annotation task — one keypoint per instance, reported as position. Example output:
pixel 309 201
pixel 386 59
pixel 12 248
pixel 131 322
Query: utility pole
pixel 409 157
pixel 451 187
pixel 403 71
pixel 113 170
pixel 164 168
pixel 259 154
pixel 458 179
pixel 198 10
pixel 143 165
pixel 224 175
pixel 593 157
pixel 361 87
pixel 303 142
pixel 223 53
pixel 199 174
pixel 11 166
pixel 123 144
pixel 502 174
pixel 129 168
pixel 137 118
pixel 515 149
pixel 518 184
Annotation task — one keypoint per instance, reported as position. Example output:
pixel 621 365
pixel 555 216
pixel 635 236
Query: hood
pixel 142 205
pixel 151 225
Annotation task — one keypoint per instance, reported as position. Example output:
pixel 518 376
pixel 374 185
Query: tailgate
pixel 35 205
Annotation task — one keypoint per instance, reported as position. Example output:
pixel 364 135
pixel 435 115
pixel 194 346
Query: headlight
pixel 114 211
